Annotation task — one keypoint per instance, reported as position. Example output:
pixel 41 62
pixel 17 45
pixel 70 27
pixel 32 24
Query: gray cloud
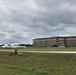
pixel 23 20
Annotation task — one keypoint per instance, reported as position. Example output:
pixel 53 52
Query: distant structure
pixel 69 41
pixel 6 46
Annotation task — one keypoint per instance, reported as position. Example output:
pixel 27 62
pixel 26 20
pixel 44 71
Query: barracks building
pixel 69 41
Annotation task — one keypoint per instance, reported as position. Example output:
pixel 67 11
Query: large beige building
pixel 55 41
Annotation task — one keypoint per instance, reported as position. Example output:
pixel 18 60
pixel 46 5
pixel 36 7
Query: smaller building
pixel 6 46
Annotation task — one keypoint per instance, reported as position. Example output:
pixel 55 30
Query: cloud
pixel 23 20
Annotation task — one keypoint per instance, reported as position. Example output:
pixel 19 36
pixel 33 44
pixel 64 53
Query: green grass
pixel 43 49
pixel 37 64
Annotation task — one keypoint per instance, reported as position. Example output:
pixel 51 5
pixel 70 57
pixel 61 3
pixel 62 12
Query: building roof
pixel 56 37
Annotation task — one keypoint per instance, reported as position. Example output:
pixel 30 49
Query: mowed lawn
pixel 42 49
pixel 37 64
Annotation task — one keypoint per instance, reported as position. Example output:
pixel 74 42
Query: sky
pixel 21 21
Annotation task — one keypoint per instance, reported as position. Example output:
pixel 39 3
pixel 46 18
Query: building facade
pixel 55 42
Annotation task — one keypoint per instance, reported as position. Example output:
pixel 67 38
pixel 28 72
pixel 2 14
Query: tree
pixel 27 45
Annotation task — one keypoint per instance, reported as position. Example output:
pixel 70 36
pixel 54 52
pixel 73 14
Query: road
pixel 41 51
pixel 52 51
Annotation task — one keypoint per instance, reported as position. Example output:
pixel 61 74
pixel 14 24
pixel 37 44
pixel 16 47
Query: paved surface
pixel 41 51
pixel 52 51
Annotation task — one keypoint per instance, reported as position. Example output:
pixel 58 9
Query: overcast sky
pixel 23 20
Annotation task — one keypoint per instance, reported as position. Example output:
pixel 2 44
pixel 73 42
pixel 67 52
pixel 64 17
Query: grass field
pixel 43 49
pixel 37 64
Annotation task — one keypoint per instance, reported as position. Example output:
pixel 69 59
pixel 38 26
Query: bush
pixel 55 45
